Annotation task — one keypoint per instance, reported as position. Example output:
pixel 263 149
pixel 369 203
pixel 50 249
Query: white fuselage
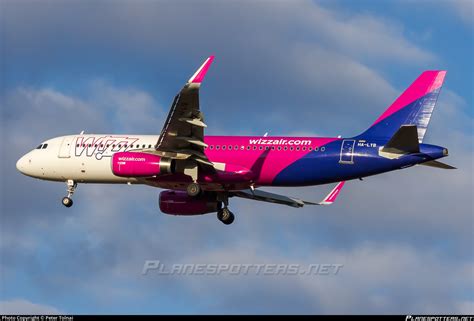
pixel 84 158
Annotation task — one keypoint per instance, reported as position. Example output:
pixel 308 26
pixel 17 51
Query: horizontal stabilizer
pixel 405 140
pixel 438 164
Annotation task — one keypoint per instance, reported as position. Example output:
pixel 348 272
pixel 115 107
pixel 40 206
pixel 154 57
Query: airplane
pixel 201 173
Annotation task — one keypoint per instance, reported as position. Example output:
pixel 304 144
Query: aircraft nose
pixel 23 164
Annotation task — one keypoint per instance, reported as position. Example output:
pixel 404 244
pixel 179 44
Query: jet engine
pixel 139 164
pixel 180 203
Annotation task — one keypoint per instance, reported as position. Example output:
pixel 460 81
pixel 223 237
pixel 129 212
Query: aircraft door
pixel 65 148
pixel 347 151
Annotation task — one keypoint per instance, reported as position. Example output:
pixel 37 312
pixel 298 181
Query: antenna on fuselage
pixel 81 133
pixel 265 135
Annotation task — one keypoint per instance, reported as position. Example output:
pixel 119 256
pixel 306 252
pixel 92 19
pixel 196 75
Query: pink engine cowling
pixel 137 164
pixel 180 203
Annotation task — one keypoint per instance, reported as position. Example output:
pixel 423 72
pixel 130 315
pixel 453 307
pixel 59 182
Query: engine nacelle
pixel 180 203
pixel 138 164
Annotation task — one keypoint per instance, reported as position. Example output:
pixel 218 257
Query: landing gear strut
pixel 71 188
pixel 224 214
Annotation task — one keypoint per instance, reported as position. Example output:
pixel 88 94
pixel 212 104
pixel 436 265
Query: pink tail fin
pixel 413 107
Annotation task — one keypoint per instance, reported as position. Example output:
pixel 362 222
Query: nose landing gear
pixel 71 188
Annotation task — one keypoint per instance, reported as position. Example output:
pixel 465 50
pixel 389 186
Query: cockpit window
pixel 39 147
pixel 45 145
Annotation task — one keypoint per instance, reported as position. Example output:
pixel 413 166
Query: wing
pixel 182 136
pixel 263 196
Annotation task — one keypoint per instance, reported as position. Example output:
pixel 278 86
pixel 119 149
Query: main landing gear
pixel 193 189
pixel 224 214
pixel 71 188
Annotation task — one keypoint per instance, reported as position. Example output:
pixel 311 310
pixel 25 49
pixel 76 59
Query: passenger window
pixel 230 147
pixel 310 148
pixel 45 145
pixel 267 148
pixel 77 145
pixel 248 147
pixel 273 147
pixel 223 147
pixel 297 148
pixel 149 146
pixel 279 147
pixel 211 147
pixel 323 149
pixel 304 148
pixel 236 147
pixel 260 147
pixel 286 148
pixel 291 148
pixel 217 147
pixel 255 148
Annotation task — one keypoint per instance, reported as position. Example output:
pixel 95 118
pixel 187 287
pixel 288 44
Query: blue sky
pixel 290 68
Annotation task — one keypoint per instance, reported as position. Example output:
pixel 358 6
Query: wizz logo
pixel 102 146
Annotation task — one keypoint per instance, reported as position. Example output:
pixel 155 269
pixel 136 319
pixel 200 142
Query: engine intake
pixel 180 203
pixel 138 164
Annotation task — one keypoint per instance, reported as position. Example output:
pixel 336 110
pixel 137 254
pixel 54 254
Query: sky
pixel 320 68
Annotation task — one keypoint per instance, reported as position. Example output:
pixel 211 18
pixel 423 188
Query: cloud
pixel 405 238
pixel 299 55
pixel 106 237
pixel 35 114
pixel 464 9
pixel 145 25
pixel 22 306
pixel 375 278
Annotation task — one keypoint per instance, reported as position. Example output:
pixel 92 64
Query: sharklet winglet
pixel 331 197
pixel 199 75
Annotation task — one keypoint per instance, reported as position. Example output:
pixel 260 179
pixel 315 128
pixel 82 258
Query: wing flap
pixel 194 121
pixel 263 196
pixel 259 195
